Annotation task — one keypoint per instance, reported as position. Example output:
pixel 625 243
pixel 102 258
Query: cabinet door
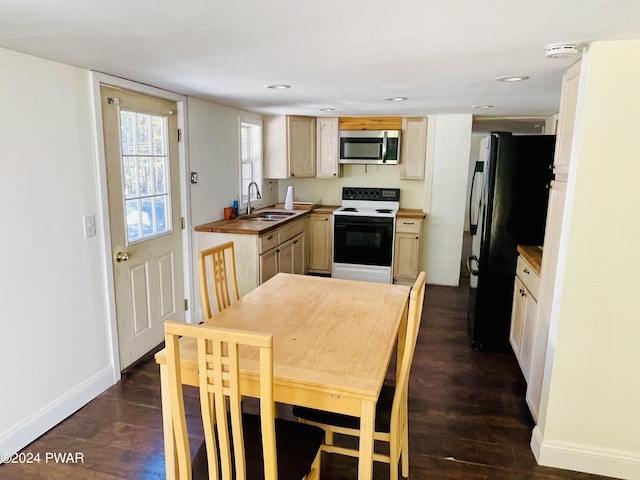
pixel 517 318
pixel 285 256
pixel 413 148
pixel 528 334
pixel 275 147
pixel 302 147
pixel 327 140
pixel 406 256
pixel 320 242
pixel 268 265
pixel 297 254
pixel 566 121
pixel 553 230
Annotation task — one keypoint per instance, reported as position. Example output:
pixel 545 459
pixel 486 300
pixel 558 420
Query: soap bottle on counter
pixel 235 206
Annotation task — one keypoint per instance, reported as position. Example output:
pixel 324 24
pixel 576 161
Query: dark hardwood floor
pixel 468 417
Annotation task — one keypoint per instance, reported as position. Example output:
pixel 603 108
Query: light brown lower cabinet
pixel 260 257
pixel 407 249
pixel 320 242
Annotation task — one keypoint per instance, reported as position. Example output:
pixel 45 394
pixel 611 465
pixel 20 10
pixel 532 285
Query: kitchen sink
pixel 266 216
pixel 278 214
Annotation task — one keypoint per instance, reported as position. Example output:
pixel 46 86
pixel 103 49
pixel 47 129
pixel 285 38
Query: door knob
pixel 122 257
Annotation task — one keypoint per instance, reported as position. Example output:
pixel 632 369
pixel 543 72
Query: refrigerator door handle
pixel 473 271
pixel 473 227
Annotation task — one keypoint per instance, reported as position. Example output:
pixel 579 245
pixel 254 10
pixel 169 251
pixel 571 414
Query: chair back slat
pixel 217 274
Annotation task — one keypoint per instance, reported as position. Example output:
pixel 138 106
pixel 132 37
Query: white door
pixel 143 184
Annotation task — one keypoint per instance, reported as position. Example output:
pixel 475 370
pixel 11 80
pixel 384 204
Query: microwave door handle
pixel 384 147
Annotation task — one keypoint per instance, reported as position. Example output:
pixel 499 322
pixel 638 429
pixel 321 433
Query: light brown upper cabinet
pixel 413 148
pixel 289 146
pixel 327 148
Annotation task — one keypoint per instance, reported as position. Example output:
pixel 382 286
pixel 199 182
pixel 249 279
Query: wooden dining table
pixel 333 342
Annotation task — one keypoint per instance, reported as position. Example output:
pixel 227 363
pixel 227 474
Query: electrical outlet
pixel 89 222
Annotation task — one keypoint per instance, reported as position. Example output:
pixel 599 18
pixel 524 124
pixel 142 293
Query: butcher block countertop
pixel 411 213
pixel 533 256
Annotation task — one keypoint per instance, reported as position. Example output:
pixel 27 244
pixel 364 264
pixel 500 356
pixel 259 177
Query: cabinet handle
pixel 522 293
pixel 326 219
pixel 417 238
pixel 526 271
pixel 270 237
pixel 295 241
pixel 407 223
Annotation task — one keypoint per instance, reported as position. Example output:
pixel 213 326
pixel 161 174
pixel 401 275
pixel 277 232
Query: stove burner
pixel 349 209
pixel 384 210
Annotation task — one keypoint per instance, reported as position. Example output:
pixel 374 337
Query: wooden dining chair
pixel 392 407
pixel 237 445
pixel 217 266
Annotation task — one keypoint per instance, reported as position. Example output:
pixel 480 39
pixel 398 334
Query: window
pixel 250 157
pixel 145 172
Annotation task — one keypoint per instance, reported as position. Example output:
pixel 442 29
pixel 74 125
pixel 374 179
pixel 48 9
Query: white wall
pixel 213 137
pixel 54 340
pixel 452 145
pixel 592 420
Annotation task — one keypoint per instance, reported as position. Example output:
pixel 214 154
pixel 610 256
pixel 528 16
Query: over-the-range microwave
pixel 364 147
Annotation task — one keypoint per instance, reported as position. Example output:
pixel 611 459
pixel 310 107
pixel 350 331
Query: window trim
pixel 255 124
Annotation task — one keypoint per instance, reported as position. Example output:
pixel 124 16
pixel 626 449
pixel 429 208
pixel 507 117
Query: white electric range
pixel 363 234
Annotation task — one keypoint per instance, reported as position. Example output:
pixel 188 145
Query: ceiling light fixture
pixel 279 86
pixel 512 78
pixel 482 106
pixel 561 51
pixel 396 99
pixel 327 109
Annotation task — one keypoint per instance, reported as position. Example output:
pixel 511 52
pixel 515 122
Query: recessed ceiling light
pixel 482 106
pixel 514 78
pixel 396 99
pixel 327 109
pixel 279 86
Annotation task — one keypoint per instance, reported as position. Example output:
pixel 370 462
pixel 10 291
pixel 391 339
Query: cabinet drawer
pixel 408 225
pixel 290 230
pixel 529 277
pixel 267 242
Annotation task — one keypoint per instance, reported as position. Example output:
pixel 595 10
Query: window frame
pixel 254 126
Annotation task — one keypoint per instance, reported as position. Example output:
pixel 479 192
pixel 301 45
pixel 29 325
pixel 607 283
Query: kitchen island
pixel 269 241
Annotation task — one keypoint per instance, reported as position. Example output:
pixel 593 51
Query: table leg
pixel 170 459
pixel 367 428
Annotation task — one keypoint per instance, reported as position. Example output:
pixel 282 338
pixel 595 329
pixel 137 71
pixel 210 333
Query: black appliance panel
pixel 363 240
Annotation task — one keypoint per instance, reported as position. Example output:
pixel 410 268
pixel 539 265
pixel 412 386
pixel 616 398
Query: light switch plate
pixel 89 222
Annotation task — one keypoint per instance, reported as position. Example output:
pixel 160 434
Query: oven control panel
pixel 371 194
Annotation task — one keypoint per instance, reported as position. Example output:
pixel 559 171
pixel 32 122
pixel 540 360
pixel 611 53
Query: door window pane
pixel 145 174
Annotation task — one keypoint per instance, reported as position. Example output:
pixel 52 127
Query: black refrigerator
pixel 507 208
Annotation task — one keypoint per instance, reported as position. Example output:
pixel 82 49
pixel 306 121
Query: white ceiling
pixel 343 54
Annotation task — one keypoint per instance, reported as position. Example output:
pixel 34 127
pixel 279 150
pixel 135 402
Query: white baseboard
pixel 585 458
pixel 26 431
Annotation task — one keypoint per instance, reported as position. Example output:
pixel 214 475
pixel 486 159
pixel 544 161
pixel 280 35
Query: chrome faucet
pixel 258 196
